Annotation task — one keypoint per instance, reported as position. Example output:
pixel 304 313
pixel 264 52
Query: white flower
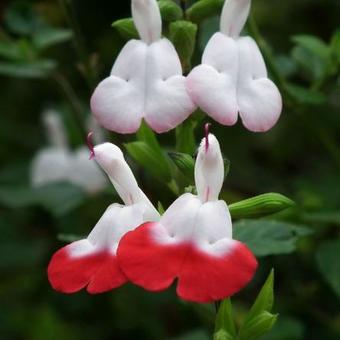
pixel 146 81
pixel 232 78
pixel 57 163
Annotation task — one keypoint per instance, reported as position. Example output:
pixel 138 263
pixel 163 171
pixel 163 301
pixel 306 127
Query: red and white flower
pixel 92 262
pixel 146 81
pixel 192 242
pixel 233 78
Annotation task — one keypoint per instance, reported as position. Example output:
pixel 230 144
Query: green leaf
pixel 145 134
pixel 335 46
pixel 267 237
pixel 51 36
pixel 183 35
pixel 185 164
pixel 194 335
pixel 258 326
pixel 21 18
pixel 224 320
pixel 312 44
pixel 328 264
pixel 57 198
pixel 36 69
pixel 222 335
pixel 185 138
pixel 150 159
pixel 259 320
pixel 264 300
pixel 170 11
pixel 20 50
pixel 10 50
pixel 126 28
pixel 312 55
pixel 261 205
pixel 306 96
pixel 203 9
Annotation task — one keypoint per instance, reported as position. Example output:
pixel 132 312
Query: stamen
pixel 90 145
pixel 206 129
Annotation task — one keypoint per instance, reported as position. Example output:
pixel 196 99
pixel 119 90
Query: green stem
pixel 79 43
pixel 71 96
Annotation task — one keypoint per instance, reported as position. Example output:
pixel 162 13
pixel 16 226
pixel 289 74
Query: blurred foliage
pixel 52 54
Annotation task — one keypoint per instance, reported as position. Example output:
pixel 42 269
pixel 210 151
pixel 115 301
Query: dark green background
pixel 291 159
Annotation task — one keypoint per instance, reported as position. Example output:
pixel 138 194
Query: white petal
pixel 147 82
pixel 212 85
pixel 260 102
pixel 147 18
pixel 55 130
pixel 86 173
pixel 118 101
pixel 213 222
pixel 207 226
pixel 111 159
pixel 51 165
pixel 209 170
pixel 234 16
pixel 115 222
pixel 179 220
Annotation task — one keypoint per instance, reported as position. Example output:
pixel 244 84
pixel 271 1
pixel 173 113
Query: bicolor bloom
pixel 192 242
pixel 92 262
pixel 146 81
pixel 57 163
pixel 233 78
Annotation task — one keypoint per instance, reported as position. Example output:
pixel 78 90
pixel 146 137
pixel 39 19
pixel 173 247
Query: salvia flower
pixel 146 81
pixel 92 262
pixel 192 242
pixel 232 78
pixel 57 163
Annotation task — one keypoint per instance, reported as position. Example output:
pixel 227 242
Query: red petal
pixel 147 264
pixel 207 278
pixel 201 277
pixel 98 271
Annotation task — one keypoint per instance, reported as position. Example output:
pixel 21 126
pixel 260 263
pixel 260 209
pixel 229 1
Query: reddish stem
pixel 206 130
pixel 90 144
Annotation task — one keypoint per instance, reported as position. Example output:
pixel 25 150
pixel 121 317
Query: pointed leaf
pixel 222 335
pixel 264 300
pixel 50 36
pixel 224 319
pixel 37 69
pixel 267 237
pixel 258 326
